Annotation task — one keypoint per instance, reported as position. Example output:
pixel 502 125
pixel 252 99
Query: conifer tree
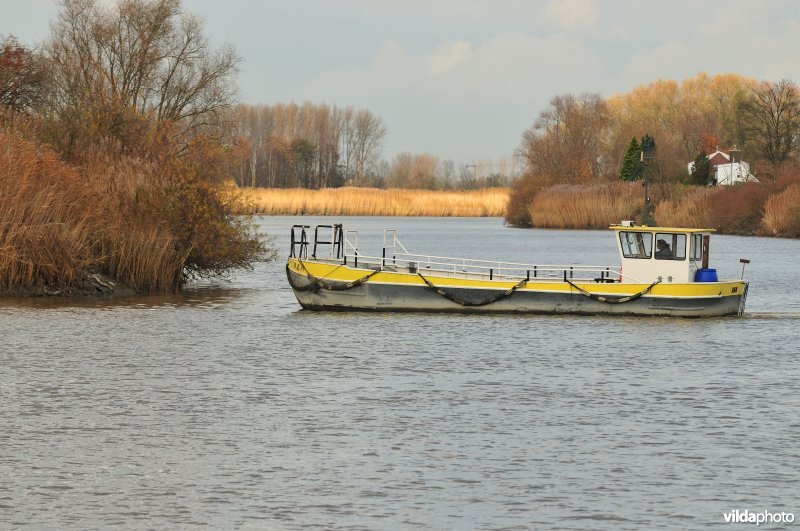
pixel 631 168
pixel 700 170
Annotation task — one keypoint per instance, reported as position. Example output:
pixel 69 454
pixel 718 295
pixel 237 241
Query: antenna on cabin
pixel 644 157
pixel 643 161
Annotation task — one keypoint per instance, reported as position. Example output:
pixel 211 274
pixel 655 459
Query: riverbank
pixel 89 285
pixel 350 201
pixel 770 208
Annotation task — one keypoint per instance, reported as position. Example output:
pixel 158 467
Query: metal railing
pixel 299 242
pixel 395 256
pixel 496 270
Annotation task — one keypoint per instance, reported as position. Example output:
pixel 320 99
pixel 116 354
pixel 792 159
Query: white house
pixel 727 168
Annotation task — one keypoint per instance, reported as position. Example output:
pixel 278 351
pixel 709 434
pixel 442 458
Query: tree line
pixel 305 146
pixel 323 146
pixel 580 139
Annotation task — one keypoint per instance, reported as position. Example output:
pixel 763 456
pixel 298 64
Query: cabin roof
pixel 649 228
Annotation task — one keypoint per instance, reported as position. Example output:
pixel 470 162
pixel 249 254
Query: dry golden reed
pixel 489 202
pixel 690 209
pixel 58 225
pixel 782 213
pixel 135 244
pixel 46 216
pixel 594 206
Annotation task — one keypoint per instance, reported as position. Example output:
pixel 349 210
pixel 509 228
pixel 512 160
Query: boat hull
pixel 410 291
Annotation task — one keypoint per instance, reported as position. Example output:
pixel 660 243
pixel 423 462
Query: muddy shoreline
pixel 91 285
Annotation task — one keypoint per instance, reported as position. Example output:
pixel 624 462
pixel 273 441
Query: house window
pixel 670 246
pixel 636 244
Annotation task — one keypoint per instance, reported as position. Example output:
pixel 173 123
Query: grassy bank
pixel 374 202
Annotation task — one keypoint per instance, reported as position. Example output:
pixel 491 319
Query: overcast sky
pixel 463 79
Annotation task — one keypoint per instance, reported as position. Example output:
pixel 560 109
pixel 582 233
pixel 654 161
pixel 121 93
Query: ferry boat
pixel 663 272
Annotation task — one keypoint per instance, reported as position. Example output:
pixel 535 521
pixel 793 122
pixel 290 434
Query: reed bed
pixel 594 206
pixel 59 224
pixel 692 208
pixel 46 219
pixel 351 201
pixel 770 208
pixel 147 226
pixel 782 213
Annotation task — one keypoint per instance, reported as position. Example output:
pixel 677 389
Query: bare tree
pixel 347 139
pixel 772 120
pixel 138 58
pixel 447 173
pixel 367 141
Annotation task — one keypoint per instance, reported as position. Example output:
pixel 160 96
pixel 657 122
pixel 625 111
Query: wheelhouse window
pixel 697 247
pixel 670 246
pixel 636 244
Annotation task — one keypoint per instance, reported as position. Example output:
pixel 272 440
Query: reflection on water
pixel 227 405
pixel 210 295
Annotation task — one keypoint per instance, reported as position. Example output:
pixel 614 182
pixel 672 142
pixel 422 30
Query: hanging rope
pixel 608 300
pixel 315 283
pixel 455 299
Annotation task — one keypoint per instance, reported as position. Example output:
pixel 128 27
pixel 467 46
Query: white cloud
pixel 462 100
pixel 453 10
pixel 448 55
pixel 670 60
pixel 747 50
pixel 573 15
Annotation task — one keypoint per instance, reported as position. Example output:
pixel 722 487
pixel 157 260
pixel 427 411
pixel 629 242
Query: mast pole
pixel 643 161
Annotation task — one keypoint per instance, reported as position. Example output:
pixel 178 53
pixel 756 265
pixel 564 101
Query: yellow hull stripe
pixel 341 273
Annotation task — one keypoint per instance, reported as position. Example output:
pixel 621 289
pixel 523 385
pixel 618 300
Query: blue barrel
pixel 706 275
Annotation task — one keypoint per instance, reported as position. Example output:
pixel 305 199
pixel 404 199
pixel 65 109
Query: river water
pixel 229 406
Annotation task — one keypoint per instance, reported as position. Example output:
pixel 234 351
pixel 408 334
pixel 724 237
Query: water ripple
pixel 229 407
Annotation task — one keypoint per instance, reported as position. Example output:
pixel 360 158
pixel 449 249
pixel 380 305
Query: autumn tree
pixel 563 146
pixel 564 143
pixel 400 171
pixel 772 120
pixel 23 76
pixel 420 171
